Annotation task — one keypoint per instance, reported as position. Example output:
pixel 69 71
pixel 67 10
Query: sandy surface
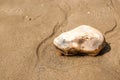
pixel 24 24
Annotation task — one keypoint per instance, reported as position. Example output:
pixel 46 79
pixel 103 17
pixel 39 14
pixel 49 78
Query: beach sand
pixel 27 30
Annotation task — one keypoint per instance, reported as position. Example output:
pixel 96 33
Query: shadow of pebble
pixel 106 49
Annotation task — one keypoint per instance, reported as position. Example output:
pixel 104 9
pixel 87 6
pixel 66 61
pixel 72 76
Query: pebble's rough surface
pixel 82 40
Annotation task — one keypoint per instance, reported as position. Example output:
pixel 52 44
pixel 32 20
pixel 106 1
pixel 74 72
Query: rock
pixel 83 40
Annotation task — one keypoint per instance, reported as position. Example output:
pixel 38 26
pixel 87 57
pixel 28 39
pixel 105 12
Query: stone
pixel 83 40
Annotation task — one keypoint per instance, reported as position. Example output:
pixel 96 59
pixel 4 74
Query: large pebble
pixel 82 40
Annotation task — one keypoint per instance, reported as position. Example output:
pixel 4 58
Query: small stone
pixel 82 40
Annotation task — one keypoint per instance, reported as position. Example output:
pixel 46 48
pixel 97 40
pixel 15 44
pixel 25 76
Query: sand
pixel 27 30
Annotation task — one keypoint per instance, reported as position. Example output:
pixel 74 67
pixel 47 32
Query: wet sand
pixel 24 24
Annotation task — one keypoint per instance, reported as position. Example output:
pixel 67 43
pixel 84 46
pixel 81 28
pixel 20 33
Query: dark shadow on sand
pixel 106 49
